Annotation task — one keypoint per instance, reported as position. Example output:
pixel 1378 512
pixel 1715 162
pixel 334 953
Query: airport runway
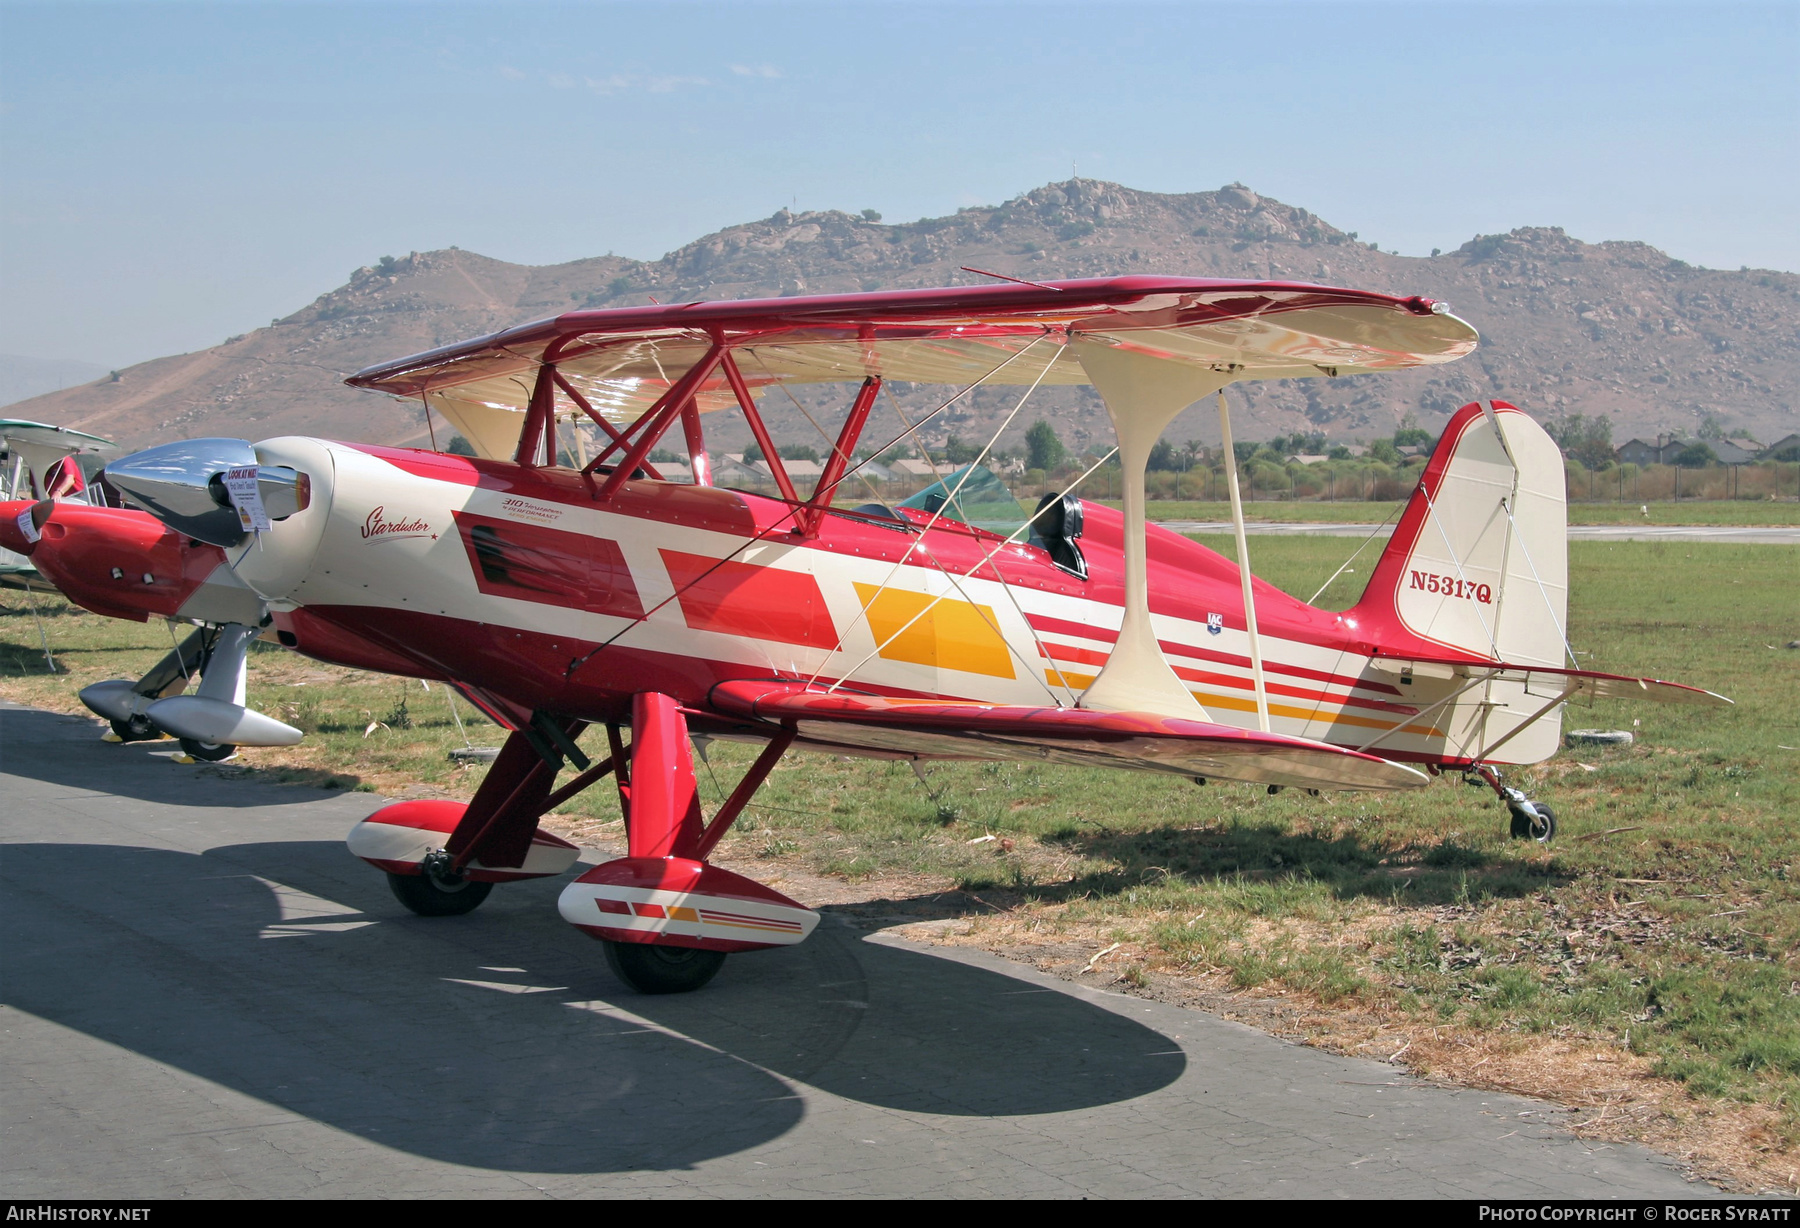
pixel 1769 535
pixel 206 996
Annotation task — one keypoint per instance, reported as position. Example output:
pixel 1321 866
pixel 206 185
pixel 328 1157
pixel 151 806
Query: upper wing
pixel 43 445
pixel 1576 682
pixel 622 360
pixel 956 729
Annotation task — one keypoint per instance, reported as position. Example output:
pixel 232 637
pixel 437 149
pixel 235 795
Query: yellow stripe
pixel 950 635
pixel 1308 714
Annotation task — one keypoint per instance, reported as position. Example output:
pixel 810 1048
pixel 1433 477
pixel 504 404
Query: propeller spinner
pixel 183 485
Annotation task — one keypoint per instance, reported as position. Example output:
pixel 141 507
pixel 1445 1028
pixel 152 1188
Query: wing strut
pixel 1243 562
pixel 747 403
pixel 1143 394
pixel 657 419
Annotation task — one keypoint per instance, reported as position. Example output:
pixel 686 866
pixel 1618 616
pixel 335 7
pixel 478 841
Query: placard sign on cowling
pixel 240 485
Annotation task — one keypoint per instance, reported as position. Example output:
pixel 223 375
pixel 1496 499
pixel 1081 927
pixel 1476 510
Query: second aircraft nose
pixel 213 490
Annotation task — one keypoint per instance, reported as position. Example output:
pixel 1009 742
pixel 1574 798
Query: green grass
pixel 1666 917
pixel 1696 512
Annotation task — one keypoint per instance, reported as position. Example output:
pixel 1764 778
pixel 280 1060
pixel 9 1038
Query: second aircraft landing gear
pixel 1530 820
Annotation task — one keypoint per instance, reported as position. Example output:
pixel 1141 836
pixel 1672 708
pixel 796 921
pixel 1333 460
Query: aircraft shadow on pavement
pixel 1248 854
pixel 67 750
pixel 286 971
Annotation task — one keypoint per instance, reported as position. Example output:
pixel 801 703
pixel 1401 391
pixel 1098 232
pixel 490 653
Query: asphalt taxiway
pixel 205 995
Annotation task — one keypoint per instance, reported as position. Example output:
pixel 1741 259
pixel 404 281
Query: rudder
pixel 1479 562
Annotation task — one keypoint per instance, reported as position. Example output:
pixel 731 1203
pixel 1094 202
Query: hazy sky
pixel 171 174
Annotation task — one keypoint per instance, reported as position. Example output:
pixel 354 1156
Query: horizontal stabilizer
pixel 941 728
pixel 1582 683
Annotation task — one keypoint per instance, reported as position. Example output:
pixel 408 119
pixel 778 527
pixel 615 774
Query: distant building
pixel 1668 447
pixel 914 468
pixel 731 467
pixel 1729 451
pixel 1782 450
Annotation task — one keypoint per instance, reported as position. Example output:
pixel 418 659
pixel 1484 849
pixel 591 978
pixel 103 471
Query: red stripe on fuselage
pixel 764 603
pixel 1087 656
pixel 1062 626
pixel 531 562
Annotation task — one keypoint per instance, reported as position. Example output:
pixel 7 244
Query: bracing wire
pixel 918 542
pixel 756 538
pixel 1365 545
pixel 978 566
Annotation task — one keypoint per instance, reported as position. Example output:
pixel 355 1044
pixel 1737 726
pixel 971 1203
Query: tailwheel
pixel 209 752
pixel 1539 826
pixel 438 892
pixel 652 968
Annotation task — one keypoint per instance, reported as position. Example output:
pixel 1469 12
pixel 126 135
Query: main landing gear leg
pixel 443 858
pixel 662 803
pixel 666 917
pixel 1530 820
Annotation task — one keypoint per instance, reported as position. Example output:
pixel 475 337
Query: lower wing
pixel 938 728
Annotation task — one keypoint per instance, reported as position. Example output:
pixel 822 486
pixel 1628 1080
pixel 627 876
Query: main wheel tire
pixel 211 752
pixel 137 729
pixel 432 895
pixel 657 969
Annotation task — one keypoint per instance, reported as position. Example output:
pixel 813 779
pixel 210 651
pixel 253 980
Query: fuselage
pixel 511 580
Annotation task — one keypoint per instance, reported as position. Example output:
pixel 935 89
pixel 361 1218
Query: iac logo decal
pixel 1215 624
pixel 378 527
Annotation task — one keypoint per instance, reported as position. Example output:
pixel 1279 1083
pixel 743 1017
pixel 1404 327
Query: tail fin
pixel 1479 563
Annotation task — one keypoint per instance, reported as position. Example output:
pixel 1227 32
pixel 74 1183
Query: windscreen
pixel 973 495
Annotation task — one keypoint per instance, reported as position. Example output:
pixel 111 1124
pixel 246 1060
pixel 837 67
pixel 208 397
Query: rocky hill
pixel 1618 329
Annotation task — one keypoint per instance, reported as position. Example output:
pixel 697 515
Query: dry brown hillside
pixel 1613 328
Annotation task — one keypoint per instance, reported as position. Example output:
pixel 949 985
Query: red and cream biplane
pixel 559 579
